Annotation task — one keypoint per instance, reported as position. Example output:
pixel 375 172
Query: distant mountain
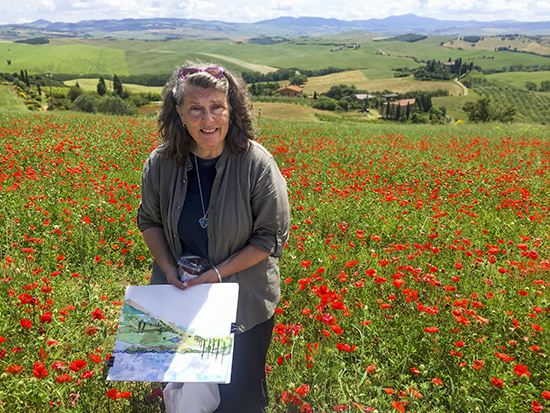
pixel 411 23
pixel 282 26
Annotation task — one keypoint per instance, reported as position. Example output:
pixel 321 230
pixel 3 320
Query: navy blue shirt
pixel 193 237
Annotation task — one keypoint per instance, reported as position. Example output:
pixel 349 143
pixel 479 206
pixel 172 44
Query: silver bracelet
pixel 217 272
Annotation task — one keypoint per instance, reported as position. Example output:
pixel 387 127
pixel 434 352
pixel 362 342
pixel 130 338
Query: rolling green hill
pixel 376 59
pixel 518 79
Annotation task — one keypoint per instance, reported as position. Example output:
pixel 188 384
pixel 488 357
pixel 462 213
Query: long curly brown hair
pixel 176 138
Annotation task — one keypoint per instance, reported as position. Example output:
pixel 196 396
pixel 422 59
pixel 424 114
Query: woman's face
pixel 205 113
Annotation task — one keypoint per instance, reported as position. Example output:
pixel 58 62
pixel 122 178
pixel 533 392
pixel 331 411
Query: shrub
pixel 74 92
pixel 113 105
pixel 324 103
pixel 86 103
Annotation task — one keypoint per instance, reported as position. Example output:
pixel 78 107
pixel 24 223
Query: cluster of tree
pixel 409 37
pixel 34 40
pixel 472 39
pixel 436 71
pixel 250 76
pixel 144 80
pixel 544 86
pixel 485 110
pixel 264 41
pixel 341 97
pixel 263 89
pixel 516 68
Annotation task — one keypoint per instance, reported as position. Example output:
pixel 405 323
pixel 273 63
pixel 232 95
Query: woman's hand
pixel 208 277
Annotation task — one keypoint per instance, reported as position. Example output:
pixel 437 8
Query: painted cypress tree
pixel 101 86
pixel 117 85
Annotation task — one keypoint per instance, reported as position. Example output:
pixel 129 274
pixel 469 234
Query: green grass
pixel 9 102
pixel 91 84
pixel 124 57
pixel 75 58
pixel 518 79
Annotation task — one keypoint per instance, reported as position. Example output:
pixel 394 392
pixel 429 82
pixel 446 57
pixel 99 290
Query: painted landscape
pixel 416 274
pixel 150 347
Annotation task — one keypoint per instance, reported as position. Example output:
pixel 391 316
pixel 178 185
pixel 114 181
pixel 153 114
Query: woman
pixel 210 190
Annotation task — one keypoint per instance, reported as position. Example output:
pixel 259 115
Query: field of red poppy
pixel 415 278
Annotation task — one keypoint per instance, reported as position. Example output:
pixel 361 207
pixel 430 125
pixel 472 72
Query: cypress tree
pixel 408 113
pixel 117 85
pixel 398 112
pixel 101 86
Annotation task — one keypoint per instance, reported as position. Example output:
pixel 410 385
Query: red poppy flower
pixel 437 381
pixel 497 382
pixel 46 317
pixel 371 369
pixel 112 393
pixel 95 358
pixel 87 374
pixel 39 370
pixel 77 365
pixel 336 329
pixel 536 406
pixel 2 339
pixel 63 379
pixel 415 370
pixel 26 323
pixel 14 369
pixel 25 298
pixel 520 370
pixel 97 314
pixel 546 395
pixel 504 357
pixel 536 327
pixel 431 330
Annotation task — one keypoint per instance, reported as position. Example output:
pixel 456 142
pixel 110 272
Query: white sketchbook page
pixel 206 311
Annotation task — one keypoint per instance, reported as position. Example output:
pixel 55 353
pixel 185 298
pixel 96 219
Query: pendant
pixel 203 222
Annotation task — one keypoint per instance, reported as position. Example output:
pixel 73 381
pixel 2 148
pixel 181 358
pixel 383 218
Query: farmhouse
pixel 390 96
pixel 291 91
pixel 404 102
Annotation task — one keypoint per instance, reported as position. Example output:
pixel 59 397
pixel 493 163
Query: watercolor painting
pixel 169 335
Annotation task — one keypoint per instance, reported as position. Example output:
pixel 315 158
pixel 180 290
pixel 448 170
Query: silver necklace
pixel 203 221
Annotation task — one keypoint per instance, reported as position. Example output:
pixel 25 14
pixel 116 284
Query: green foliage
pixel 101 86
pixel 405 38
pixel 268 40
pixel 117 86
pixel 472 39
pixel 298 80
pixel 484 110
pixel 34 40
pixel 114 105
pixel 530 85
pixel 74 92
pixel 325 103
pixel 86 103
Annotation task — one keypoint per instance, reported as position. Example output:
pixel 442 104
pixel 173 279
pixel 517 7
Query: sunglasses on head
pixel 217 72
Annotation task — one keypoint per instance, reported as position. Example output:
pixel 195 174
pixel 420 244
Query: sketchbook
pixel 169 335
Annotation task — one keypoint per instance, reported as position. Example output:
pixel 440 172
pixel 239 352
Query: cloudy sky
pixel 21 11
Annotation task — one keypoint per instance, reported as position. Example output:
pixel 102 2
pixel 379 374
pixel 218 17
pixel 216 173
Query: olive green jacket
pixel 248 204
